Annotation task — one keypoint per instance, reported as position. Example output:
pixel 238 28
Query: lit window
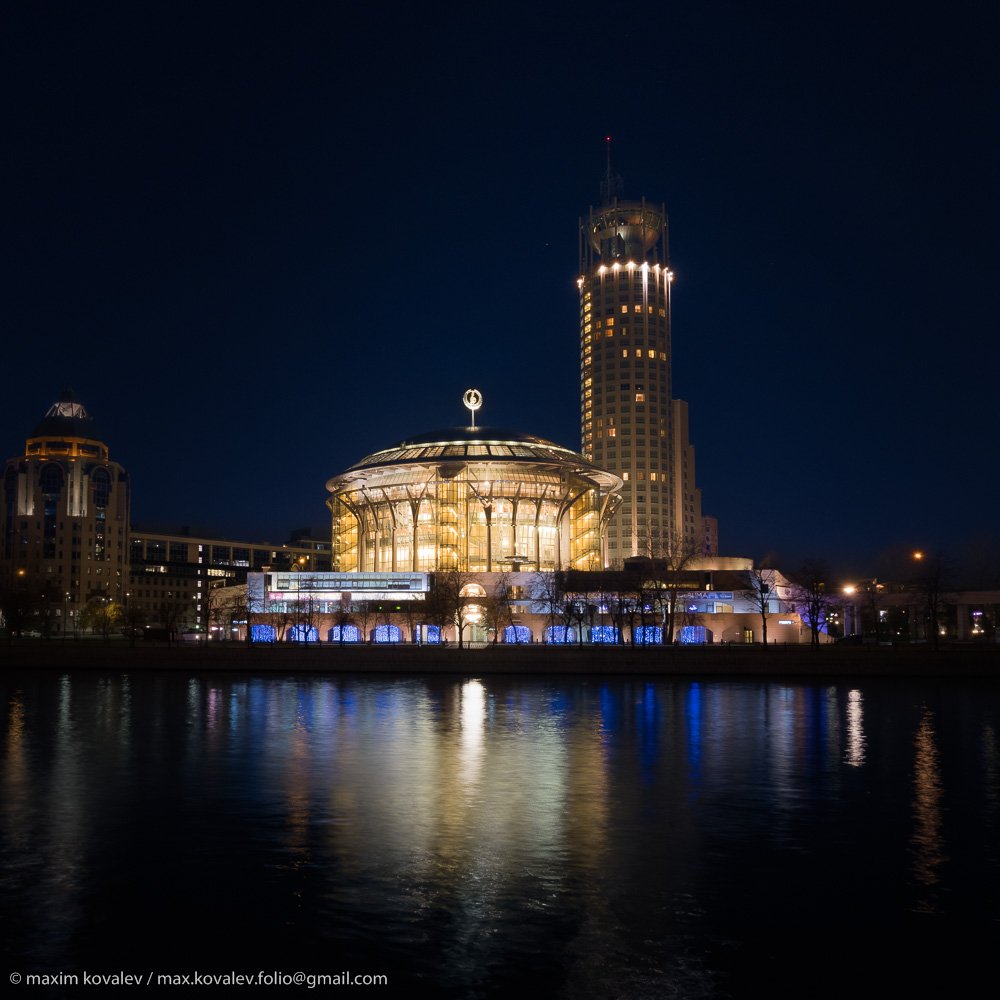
pixel 651 353
pixel 663 355
pixel 638 352
pixel 612 432
pixel 624 352
pixel 610 322
pixel 652 477
pixel 624 309
pixel 638 308
pixel 625 476
pixel 640 397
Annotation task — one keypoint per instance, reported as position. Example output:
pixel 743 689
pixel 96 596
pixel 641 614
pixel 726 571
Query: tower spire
pixel 611 186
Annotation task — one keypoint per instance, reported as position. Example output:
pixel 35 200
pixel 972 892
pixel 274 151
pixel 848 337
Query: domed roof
pixel 67 417
pixel 478 435
pixel 477 444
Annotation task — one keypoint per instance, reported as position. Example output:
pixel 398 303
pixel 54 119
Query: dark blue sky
pixel 262 241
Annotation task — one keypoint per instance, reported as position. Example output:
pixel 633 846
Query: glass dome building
pixel 473 499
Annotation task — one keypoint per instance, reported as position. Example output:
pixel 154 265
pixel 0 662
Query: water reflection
pixel 855 755
pixel 927 842
pixel 604 835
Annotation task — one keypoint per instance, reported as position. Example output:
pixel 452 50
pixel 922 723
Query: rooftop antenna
pixel 612 186
pixel 473 399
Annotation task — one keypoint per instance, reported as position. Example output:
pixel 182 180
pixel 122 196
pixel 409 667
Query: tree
pixel 437 608
pixel 761 594
pixel 447 600
pixel 930 580
pixel 102 616
pixel 134 618
pixel 343 616
pixel 811 595
pixel 871 594
pixel 172 612
pixel 547 590
pixel 19 606
pixel 673 567
pixel 498 606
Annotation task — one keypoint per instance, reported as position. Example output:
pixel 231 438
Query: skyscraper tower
pixel 630 423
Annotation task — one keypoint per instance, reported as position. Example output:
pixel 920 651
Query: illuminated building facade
pixel 630 422
pixel 473 499
pixel 65 514
pixel 172 573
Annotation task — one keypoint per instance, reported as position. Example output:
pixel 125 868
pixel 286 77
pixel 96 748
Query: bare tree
pixel 930 580
pixel 448 599
pixel 366 615
pixel 547 590
pixel 673 567
pixel 498 607
pixel 343 616
pixel 760 595
pixel 811 595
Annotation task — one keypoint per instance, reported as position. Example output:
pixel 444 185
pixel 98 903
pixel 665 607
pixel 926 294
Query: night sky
pixel 263 241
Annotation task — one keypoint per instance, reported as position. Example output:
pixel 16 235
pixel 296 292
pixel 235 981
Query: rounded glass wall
pixel 540 508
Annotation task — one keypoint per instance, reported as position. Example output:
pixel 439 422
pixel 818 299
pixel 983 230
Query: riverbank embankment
pixel 688 661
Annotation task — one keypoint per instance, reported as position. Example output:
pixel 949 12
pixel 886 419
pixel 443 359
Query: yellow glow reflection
pixel 855 729
pixel 927 842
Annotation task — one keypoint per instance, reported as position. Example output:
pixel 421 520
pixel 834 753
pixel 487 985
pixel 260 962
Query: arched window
pixel 262 633
pixel 517 634
pixel 648 635
pixel 604 634
pixel 559 634
pixel 100 482
pixel 344 633
pixel 693 635
pixel 50 482
pixel 388 633
pixel 431 634
pixel 303 633
pixel 10 506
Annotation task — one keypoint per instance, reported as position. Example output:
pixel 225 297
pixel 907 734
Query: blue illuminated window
pixel 604 634
pixel 692 635
pixel 303 633
pixel 648 635
pixel 344 633
pixel 388 633
pixel 262 633
pixel 559 634
pixel 431 634
pixel 517 634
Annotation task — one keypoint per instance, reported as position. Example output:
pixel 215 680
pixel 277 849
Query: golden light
pixel 918 555
pixel 849 589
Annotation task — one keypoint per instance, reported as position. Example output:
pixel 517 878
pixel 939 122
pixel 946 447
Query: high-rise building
pixel 630 423
pixel 65 516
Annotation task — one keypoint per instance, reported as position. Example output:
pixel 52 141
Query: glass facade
pixel 544 510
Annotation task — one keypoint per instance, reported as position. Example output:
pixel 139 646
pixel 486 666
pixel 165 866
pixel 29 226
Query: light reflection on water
pixel 619 838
